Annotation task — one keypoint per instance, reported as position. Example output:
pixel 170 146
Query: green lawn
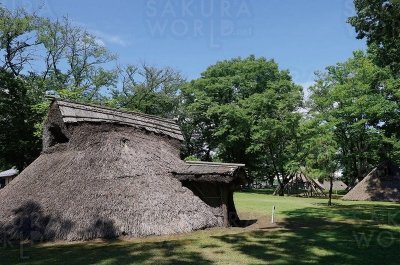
pixel 308 232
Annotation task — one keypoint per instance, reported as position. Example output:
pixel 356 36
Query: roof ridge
pixel 111 109
pixel 215 163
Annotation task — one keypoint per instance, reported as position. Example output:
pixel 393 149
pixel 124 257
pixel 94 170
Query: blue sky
pixel 302 36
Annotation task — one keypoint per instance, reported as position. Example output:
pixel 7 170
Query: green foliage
pixel 15 39
pixel 352 100
pixel 245 110
pixel 19 145
pixel 379 23
pixel 75 61
pixel 191 158
pixel 148 89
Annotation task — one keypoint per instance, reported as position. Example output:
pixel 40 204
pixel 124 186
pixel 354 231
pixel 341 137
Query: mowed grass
pixel 307 232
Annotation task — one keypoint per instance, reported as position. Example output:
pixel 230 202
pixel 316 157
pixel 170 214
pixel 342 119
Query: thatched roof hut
pixel 104 173
pixel 7 176
pixel 336 185
pixel 302 184
pixel 214 183
pixel 381 184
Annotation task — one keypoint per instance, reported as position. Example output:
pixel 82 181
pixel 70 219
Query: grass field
pixel 307 232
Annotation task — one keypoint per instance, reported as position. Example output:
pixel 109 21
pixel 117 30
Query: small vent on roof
pixel 57 136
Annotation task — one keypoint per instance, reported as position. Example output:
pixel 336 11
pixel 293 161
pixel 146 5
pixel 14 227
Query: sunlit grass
pixel 308 232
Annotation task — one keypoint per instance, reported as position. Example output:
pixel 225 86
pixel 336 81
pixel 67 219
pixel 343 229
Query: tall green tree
pixel 237 111
pixel 60 56
pixel 148 89
pixel 323 157
pixel 378 21
pixel 19 145
pixel 75 62
pixel 17 46
pixel 36 55
pixel 276 131
pixel 353 99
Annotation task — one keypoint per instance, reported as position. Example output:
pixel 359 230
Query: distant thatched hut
pixel 105 172
pixel 7 176
pixel 381 184
pixel 336 185
pixel 302 184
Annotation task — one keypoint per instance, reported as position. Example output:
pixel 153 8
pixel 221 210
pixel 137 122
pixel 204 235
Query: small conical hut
pixel 105 173
pixel 381 184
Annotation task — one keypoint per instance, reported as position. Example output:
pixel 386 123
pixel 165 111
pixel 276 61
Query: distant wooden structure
pixel 7 176
pixel 214 183
pixel 302 185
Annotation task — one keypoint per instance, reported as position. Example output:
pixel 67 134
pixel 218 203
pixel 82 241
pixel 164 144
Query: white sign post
pixel 273 211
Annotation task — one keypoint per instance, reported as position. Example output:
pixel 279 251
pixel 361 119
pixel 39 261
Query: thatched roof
pixel 99 186
pixel 381 184
pixel 9 173
pixel 211 171
pixel 301 178
pixel 74 112
pixel 336 185
pixel 105 173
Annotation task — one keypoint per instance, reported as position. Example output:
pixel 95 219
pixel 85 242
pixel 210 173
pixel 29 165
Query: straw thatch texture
pixel 336 185
pixel 106 181
pixel 211 172
pixel 381 184
pixel 300 182
pixel 215 184
pixel 73 112
pixel 105 173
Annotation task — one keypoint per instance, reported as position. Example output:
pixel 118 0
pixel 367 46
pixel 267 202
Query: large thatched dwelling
pixel 105 172
pixel 381 184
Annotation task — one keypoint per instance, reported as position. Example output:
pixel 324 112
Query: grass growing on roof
pixel 310 233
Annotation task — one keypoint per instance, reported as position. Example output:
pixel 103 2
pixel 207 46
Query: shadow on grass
pixel 267 191
pixel 363 233
pixel 22 237
pixel 105 252
pixel 343 234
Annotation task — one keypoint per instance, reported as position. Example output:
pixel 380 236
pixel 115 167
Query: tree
pixel 75 61
pixel 60 56
pixel 322 160
pixel 19 145
pixel 238 110
pixel 17 45
pixel 352 98
pixel 36 55
pixel 379 23
pixel 148 89
pixel 276 132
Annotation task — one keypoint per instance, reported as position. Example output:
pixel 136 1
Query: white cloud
pixel 108 38
pixel 102 38
pixel 100 42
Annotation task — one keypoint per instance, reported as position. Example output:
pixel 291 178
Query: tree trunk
pixel 282 189
pixel 330 191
